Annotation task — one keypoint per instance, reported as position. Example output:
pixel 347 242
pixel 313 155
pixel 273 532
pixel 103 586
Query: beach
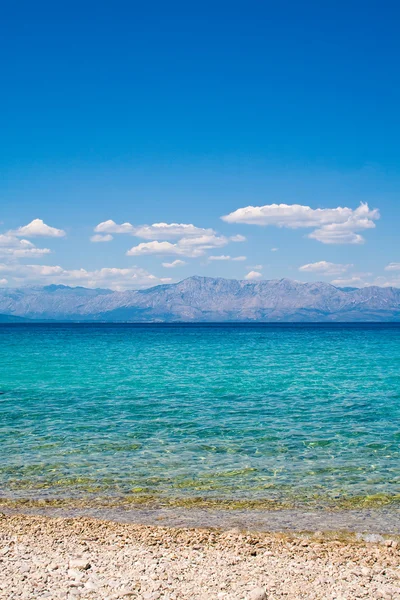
pixel 71 558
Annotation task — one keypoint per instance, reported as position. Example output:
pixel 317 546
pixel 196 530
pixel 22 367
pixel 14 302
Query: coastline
pixel 365 523
pixel 81 557
pixel 374 515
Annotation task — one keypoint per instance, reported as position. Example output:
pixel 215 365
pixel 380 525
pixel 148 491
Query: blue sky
pixel 169 113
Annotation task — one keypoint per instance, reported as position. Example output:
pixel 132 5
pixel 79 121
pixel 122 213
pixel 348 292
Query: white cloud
pixel 10 241
pixel 175 263
pixel 156 231
pixel 23 252
pixel 256 268
pixel 112 227
pixel 332 225
pixel 227 257
pixel 274 249
pixel 114 278
pixel 98 237
pixel 204 241
pixel 191 247
pixel 344 232
pixel 12 247
pixel 385 282
pixel 162 248
pixel 220 257
pixel 253 275
pixel 393 266
pixel 334 235
pixel 3 281
pixel 325 268
pixel 296 215
pixel 37 228
pixel 350 282
pixel 167 231
pixel 190 241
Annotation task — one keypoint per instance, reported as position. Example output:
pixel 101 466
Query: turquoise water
pixel 292 413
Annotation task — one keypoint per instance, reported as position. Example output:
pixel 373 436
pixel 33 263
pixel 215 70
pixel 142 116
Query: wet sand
pixel 81 557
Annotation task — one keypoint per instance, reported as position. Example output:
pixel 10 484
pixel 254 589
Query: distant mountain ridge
pixel 205 299
pixel 12 319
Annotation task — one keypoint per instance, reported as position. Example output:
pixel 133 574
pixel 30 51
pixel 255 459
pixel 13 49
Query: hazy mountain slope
pixel 207 299
pixel 49 302
pixel 12 319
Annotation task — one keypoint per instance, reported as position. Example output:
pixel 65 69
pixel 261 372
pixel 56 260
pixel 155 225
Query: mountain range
pixel 203 299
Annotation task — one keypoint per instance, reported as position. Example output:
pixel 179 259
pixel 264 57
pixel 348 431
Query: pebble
pixel 258 594
pixel 44 559
pixel 79 563
pixel 24 569
pixel 91 585
pixel 75 574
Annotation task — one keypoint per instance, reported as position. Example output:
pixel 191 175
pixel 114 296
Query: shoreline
pixel 70 558
pixel 366 524
pixel 373 518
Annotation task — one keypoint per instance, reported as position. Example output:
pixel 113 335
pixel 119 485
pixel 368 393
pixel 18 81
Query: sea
pixel 245 419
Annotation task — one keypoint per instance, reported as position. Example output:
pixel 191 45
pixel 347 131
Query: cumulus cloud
pixel 331 225
pixel 98 237
pixel 253 275
pixel 184 239
pixel 156 231
pixel 227 257
pixel 393 266
pixel 162 248
pixel 37 228
pixel 10 241
pixel 345 233
pixel 174 264
pixel 171 231
pixel 325 268
pixel 113 278
pixel 191 246
pixel 3 281
pixel 385 282
pixel 204 241
pixel 13 248
pixel 296 215
pixel 113 227
pixel 334 235
pixel 349 282
pixel 13 253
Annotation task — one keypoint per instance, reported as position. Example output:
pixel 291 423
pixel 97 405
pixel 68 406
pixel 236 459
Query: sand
pixel 79 558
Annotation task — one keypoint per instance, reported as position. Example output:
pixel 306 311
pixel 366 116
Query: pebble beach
pixel 79 558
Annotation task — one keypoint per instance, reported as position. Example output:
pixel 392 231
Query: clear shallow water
pixel 300 414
